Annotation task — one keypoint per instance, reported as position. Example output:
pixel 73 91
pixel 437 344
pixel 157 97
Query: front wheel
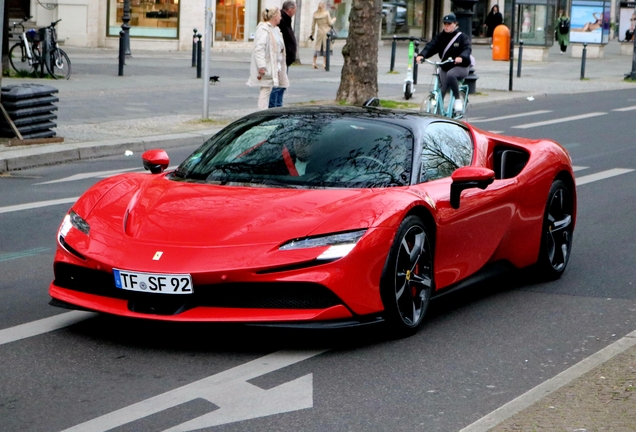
pixel 18 59
pixel 408 90
pixel 557 231
pixel 430 104
pixel 407 280
pixel 463 94
pixel 58 64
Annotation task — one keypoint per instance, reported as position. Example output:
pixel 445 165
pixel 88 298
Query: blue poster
pixel 589 22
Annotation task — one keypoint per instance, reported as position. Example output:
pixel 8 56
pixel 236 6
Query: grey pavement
pixel 158 104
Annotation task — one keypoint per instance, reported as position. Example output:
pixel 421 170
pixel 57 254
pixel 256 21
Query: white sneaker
pixel 458 106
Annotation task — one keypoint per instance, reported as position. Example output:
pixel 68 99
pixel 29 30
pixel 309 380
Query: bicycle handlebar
pixel 448 60
pixel 54 23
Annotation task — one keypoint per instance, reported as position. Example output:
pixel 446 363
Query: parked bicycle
pixel 37 51
pixel 25 55
pixel 434 102
pixel 56 61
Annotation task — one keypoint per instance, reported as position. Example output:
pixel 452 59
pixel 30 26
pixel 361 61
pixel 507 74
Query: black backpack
pixel 564 26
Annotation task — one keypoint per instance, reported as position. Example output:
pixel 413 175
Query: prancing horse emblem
pixel 157 256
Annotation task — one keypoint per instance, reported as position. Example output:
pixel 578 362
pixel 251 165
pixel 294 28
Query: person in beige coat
pixel 268 68
pixel 320 25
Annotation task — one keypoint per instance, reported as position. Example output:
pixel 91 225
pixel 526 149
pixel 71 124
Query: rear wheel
pixel 18 59
pixel 58 64
pixel 408 90
pixel 407 280
pixel 557 231
pixel 463 94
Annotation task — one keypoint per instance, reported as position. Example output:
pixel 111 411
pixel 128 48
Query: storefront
pixel 169 24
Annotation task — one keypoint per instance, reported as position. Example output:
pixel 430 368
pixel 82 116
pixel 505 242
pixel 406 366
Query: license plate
pixel 152 282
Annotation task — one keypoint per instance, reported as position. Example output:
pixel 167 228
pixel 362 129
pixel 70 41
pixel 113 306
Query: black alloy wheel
pixel 407 280
pixel 556 235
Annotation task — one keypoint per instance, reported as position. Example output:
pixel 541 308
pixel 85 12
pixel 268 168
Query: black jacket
pixel 460 48
pixel 289 37
pixel 493 20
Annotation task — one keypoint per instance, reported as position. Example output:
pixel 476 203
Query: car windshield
pixel 317 150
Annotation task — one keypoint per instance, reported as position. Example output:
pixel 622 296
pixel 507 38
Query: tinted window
pixel 318 150
pixel 445 148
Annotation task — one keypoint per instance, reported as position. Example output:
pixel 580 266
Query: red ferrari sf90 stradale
pixel 331 216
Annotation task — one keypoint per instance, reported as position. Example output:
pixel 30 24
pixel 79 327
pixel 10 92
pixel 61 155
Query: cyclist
pixel 450 43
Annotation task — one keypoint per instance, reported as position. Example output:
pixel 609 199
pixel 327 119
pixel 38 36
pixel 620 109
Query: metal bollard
pixel 583 55
pixel 519 59
pixel 327 54
pixel 632 75
pixel 417 44
pixel 393 48
pixel 199 56
pixel 194 48
pixel 122 52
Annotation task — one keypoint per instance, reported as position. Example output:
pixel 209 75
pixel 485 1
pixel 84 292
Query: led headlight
pixel 339 244
pixel 74 220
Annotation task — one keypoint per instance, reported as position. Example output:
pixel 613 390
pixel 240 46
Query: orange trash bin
pixel 501 43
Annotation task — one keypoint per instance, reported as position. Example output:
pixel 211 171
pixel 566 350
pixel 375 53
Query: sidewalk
pixel 157 104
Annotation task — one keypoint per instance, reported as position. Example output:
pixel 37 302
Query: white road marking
pixel 567 376
pixel 511 116
pixel 38 204
pixel 578 168
pixel 42 326
pixel 559 120
pixel 229 390
pixel 601 175
pixel 630 108
pixel 83 176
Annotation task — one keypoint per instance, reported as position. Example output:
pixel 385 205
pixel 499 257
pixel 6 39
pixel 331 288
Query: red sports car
pixel 305 216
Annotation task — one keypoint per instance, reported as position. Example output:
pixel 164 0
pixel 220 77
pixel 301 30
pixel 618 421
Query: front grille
pixel 290 295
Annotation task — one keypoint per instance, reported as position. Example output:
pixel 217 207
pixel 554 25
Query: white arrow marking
pixel 42 326
pixel 629 108
pixel 28 206
pixel 238 400
pixel 560 120
pixel 511 116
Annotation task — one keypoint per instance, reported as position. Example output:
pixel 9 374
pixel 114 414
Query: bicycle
pixel 56 61
pixel 25 56
pixel 434 102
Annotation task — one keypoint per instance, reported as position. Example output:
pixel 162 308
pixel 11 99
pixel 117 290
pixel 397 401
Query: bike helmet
pixel 32 34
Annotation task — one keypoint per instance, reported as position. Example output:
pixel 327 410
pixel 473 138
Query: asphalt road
pixel 477 350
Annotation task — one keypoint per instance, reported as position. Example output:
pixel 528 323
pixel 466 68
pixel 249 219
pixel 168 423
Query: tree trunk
pixel 359 78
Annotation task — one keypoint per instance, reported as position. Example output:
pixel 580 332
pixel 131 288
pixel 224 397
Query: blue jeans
pixel 276 97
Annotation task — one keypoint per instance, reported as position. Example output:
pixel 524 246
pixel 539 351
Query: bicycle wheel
pixel 18 59
pixel 463 93
pixel 408 90
pixel 430 104
pixel 37 65
pixel 58 64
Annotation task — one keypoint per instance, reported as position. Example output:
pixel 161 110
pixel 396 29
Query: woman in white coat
pixel 268 68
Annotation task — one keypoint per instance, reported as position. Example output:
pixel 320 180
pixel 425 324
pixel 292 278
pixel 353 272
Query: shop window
pixel 148 18
pixel 230 20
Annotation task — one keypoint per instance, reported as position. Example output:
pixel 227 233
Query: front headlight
pixel 74 220
pixel 339 244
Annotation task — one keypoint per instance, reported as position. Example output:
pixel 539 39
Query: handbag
pixel 332 33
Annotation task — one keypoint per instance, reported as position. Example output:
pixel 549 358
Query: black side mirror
pixel 155 161
pixel 468 178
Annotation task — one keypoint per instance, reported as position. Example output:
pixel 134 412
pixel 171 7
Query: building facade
pixel 169 24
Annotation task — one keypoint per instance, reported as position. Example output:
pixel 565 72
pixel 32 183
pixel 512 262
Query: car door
pixel 466 237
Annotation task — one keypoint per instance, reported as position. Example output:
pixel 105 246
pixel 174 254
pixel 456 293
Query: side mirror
pixel 468 178
pixel 155 160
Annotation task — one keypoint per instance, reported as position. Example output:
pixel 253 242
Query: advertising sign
pixel 590 21
pixel 627 22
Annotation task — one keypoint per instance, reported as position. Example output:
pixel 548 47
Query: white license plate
pixel 153 282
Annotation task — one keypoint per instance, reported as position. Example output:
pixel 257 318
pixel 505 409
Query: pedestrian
pixel 285 26
pixel 456 45
pixel 320 26
pixel 268 68
pixel 563 31
pixel 493 19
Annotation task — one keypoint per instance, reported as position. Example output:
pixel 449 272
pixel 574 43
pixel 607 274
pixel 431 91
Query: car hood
pixel 159 210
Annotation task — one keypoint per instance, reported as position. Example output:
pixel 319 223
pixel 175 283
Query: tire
pixel 408 91
pixel 431 104
pixel 556 232
pixel 58 64
pixel 407 279
pixel 464 95
pixel 18 59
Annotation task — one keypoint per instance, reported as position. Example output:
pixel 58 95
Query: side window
pixel 445 147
